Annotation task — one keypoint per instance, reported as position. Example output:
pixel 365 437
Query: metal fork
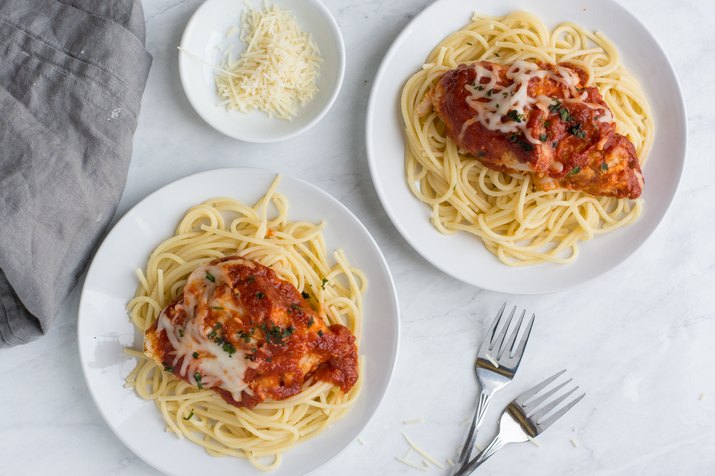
pixel 525 418
pixel 495 369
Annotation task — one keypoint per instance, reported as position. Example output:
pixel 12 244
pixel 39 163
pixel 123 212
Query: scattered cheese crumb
pixel 492 360
pixel 413 421
pixel 536 443
pixel 359 440
pixel 423 453
pixel 574 443
pixel 411 464
pixel 450 461
pixel 276 72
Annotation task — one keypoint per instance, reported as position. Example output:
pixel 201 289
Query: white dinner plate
pixel 464 256
pixel 104 328
pixel 205 38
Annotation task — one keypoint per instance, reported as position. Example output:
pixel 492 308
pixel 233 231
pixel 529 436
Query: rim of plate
pixel 394 215
pixel 329 198
pixel 236 134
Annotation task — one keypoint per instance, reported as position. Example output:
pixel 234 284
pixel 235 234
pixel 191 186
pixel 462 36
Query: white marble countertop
pixel 640 340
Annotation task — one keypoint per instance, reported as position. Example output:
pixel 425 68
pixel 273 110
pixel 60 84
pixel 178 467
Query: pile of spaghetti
pixel 517 223
pixel 296 251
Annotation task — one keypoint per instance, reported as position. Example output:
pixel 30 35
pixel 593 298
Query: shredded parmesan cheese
pixel 574 443
pixel 413 421
pixel 423 453
pixel 535 443
pixel 412 465
pixel 277 71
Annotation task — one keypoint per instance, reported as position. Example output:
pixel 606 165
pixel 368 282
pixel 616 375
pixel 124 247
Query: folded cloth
pixel 72 73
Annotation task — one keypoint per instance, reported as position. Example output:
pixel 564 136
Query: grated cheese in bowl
pixel 278 70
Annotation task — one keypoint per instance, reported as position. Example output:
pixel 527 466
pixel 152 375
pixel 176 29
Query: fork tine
pixel 524 339
pixel 498 342
pixel 536 401
pixel 528 394
pixel 489 336
pixel 512 339
pixel 547 423
pixel 544 410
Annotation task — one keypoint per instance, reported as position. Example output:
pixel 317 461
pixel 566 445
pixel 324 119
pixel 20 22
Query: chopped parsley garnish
pixel 250 279
pixel 305 295
pixel 196 355
pixel 526 147
pixel 310 321
pixel 480 88
pixel 518 139
pixel 470 44
pixel 229 349
pixel 276 335
pixel 575 170
pixel 260 295
pixel 269 359
pixel 547 124
pixel 559 108
pixel 505 94
pixel 217 308
pixel 210 277
pixel 496 54
pixel 322 286
pixel 197 377
pixel 543 137
pixel 244 336
pixel 215 329
pixel 190 415
pixel 168 368
pixel 481 153
pixel 181 332
pixel 490 92
pixel 577 131
pixel 604 167
pixel 320 333
pixel 555 144
pixel 515 116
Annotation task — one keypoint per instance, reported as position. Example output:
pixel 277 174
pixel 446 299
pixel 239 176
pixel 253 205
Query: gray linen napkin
pixel 72 73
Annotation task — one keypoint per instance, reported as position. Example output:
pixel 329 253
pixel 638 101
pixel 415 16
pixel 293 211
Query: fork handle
pixel 482 404
pixel 496 444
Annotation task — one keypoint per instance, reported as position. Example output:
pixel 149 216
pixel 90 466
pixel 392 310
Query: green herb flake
pixel 480 88
pixel 470 44
pixel 190 415
pixel 214 331
pixel 260 295
pixel 210 277
pixel 305 295
pixel 195 355
pixel 543 137
pixel 604 167
pixel 229 348
pixel 311 321
pixel 320 333
pixel 250 279
pixel 515 116
pixel 322 285
pixel 168 368
pixel 575 170
pixel 181 332
pixel 577 131
pixel 547 124
pixel 217 308
pixel 197 377
pixel 555 144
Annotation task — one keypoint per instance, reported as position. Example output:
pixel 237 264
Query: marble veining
pixel 639 340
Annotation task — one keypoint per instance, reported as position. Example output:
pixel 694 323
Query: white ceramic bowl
pixel 206 32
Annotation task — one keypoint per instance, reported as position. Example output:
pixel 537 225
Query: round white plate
pixel 463 256
pixel 104 328
pixel 204 38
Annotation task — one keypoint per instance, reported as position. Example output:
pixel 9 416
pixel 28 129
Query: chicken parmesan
pixel 540 119
pixel 240 330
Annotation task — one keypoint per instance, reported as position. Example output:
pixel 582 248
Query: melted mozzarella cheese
pixel 493 102
pixel 217 367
